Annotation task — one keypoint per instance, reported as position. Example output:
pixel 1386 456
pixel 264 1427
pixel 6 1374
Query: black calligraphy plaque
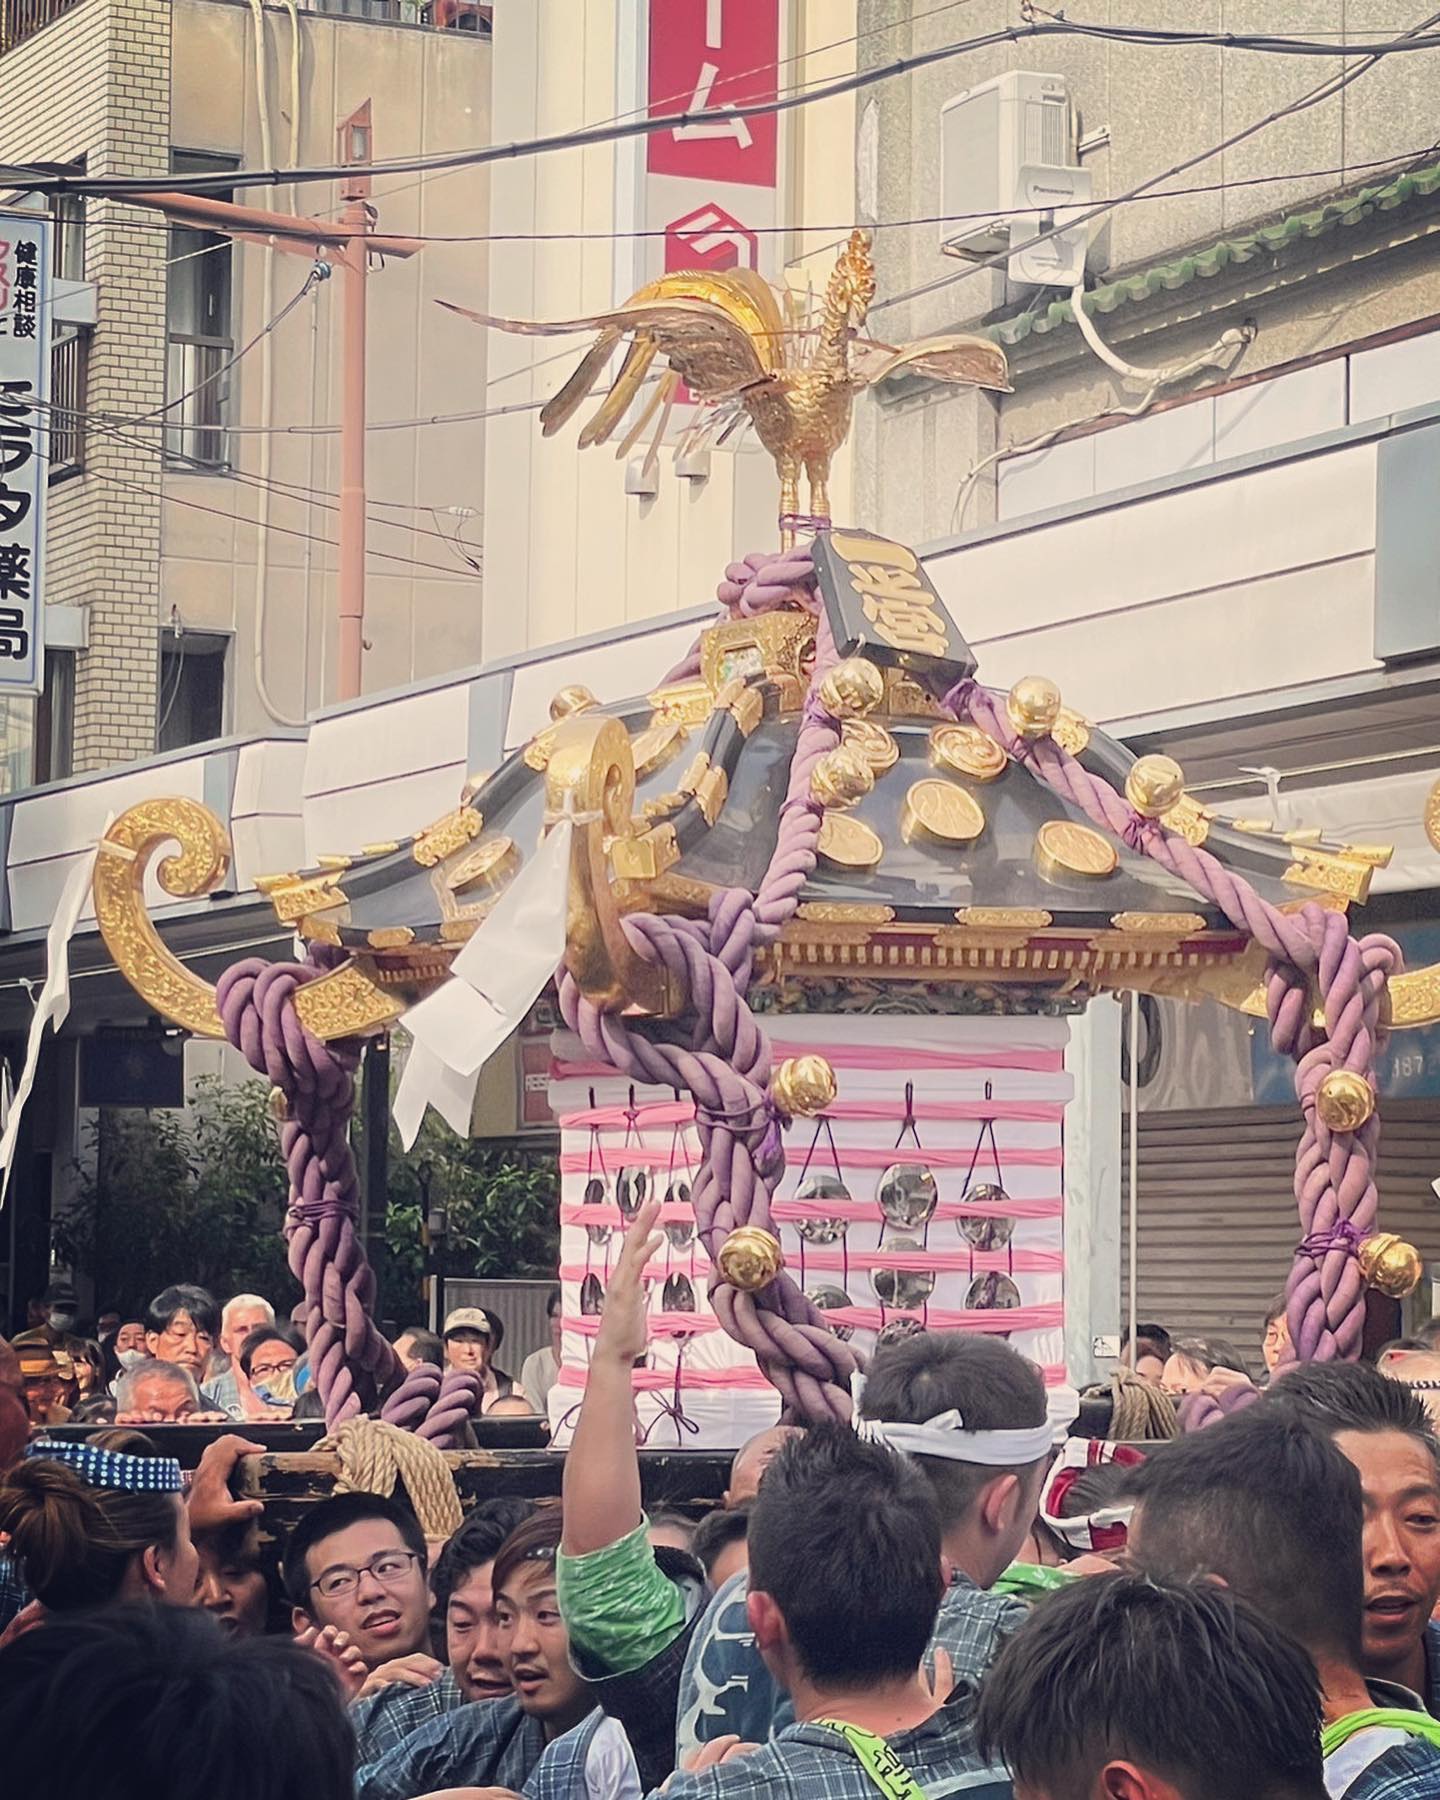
pixel 881 604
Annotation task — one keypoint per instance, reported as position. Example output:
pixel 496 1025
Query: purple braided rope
pixel 717 1051
pixel 1196 1412
pixel 1334 1171
pixel 351 1362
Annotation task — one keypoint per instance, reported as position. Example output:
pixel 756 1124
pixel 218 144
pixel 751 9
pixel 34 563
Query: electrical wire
pixel 1325 91
pixel 219 512
pixel 276 485
pixel 40 178
pixel 158 412
pixel 799 56
pixel 840 231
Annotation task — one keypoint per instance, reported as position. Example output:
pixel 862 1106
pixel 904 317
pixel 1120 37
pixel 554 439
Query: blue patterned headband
pixel 110 1469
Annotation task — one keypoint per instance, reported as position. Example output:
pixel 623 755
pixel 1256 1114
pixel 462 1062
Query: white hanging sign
pixel 24 443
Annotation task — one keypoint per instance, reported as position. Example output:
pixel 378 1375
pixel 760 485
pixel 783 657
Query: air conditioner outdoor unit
pixel 1006 147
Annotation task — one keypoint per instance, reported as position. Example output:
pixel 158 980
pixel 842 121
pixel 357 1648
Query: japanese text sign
pixel 881 603
pixel 24 391
pixel 705 54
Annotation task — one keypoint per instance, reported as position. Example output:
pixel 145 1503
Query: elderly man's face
pixel 239 1322
pixel 182 1342
pixel 162 1398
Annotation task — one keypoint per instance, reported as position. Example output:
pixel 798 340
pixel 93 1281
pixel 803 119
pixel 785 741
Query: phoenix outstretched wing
pixel 955 356
pixel 720 334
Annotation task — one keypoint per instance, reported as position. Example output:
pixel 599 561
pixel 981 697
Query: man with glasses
pixel 357 1562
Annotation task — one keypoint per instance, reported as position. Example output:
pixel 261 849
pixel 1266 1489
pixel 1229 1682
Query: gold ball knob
pixel 1154 785
pixel 576 698
pixel 841 777
pixel 1390 1265
pixel 1033 706
pixel 1344 1100
pixel 852 689
pixel 750 1258
pixel 279 1106
pixel 803 1086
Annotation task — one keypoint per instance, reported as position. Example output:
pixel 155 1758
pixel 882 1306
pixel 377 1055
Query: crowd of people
pixel 937 1599
pixel 188 1359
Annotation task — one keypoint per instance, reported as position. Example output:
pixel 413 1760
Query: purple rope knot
pixel 1343 1235
pixel 1139 833
pixel 957 701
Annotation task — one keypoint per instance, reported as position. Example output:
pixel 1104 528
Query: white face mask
pixel 129 1358
pixel 61 1321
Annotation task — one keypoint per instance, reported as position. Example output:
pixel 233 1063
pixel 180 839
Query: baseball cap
pixel 467 1318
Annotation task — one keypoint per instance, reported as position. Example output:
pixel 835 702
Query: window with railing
pixel 70 344
pixel 69 370
pixel 200 343
pixel 21 19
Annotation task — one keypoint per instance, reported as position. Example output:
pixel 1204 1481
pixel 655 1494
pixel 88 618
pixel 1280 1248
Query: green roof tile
pixel 1201 265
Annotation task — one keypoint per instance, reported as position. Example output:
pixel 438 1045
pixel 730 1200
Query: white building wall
pixel 567 550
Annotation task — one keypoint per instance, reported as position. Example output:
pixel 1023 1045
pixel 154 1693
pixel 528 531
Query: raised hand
pixel 623 1333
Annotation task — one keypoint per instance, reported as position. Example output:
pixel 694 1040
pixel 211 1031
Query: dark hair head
pixel 1278 1308
pixel 537 1540
pixel 991 1386
pixel 425 1346
pixel 339 1513
pixel 1152 1340
pixel 166 1691
pixel 1094 1673
pixel 1270 1507
pixel 186 1298
pixel 553 1303
pixel 859 1596
pixel 1209 1353
pixel 666 1519
pixel 97 1411
pixel 1343 1396
pixel 476 1543
pixel 266 1334
pixel 718 1530
pixel 75 1544
pixel 497 1329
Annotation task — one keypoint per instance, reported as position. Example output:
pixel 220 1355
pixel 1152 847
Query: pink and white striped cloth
pixel 970 1104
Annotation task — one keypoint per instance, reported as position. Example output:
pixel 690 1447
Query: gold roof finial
pixel 734 344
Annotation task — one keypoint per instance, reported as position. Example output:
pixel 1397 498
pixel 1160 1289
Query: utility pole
pixel 345 244
pixel 354 148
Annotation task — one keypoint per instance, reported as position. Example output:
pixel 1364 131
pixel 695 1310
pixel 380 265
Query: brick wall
pixel 96 83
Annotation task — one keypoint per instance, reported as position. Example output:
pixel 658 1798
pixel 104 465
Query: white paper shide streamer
pixel 53 1006
pixel 494 981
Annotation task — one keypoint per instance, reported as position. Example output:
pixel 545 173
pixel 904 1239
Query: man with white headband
pixel 971 1414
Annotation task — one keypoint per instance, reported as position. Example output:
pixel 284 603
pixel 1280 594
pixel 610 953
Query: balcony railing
pixel 69 371
pixel 447 15
pixel 21 19
pixel 197 400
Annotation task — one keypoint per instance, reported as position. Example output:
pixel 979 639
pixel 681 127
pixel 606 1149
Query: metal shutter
pixel 1218 1225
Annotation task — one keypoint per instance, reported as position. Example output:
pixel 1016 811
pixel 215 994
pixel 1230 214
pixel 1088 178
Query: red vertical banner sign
pixel 706 54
